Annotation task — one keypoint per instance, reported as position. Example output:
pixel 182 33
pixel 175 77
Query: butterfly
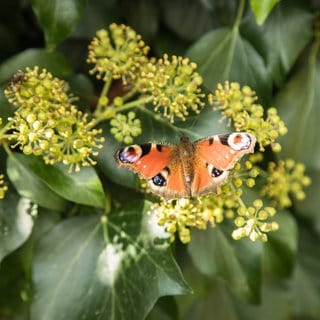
pixel 189 168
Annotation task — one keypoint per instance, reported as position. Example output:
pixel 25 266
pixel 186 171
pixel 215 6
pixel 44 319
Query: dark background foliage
pixel 45 261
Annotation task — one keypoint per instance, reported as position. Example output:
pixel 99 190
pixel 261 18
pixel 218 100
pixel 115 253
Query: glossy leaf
pixel 262 8
pixel 117 274
pixel 237 262
pixel 55 62
pixel 30 186
pixel 82 187
pixel 223 54
pixel 58 18
pixel 15 223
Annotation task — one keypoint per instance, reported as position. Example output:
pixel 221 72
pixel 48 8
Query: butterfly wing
pixel 145 159
pixel 216 155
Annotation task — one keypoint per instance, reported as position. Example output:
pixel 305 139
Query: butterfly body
pixel 188 168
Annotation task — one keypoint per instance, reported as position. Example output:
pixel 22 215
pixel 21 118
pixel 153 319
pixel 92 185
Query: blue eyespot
pixel 159 180
pixel 216 172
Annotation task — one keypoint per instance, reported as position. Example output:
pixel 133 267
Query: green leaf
pixel 81 271
pixel 30 186
pixel 223 54
pixel 281 249
pixel 58 18
pixel 285 35
pixel 15 223
pixel 262 8
pixel 55 62
pixel 306 284
pixel 82 187
pixel 237 262
pixel 298 104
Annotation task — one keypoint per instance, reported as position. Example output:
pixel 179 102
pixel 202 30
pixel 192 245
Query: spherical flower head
pixel 125 127
pixel 285 178
pixel 174 86
pixel 47 124
pixel 117 53
pixel 37 89
pixel 254 222
pixel 239 106
pixel 3 187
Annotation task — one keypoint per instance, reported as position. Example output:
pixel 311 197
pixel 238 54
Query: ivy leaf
pixel 286 33
pixel 58 18
pixel 237 262
pixel 262 8
pixel 82 187
pixel 298 104
pixel 118 273
pixel 15 223
pixel 55 62
pixel 223 54
pixel 29 185
pixel 281 248
pixel 306 284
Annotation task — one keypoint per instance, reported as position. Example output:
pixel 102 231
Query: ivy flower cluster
pixel 170 84
pixel 178 216
pixel 117 53
pixel 125 127
pixel 174 86
pixel 253 221
pixel 284 179
pixel 47 124
pixel 240 107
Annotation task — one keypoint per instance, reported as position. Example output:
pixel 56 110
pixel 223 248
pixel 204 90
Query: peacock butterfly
pixel 189 168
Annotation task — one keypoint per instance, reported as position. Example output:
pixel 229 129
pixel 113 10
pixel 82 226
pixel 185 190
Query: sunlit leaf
pixel 80 271
pixel 262 8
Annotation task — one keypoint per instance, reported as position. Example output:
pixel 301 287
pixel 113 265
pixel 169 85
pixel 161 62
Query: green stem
pixel 239 14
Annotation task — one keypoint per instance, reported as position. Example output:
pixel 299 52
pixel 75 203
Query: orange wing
pixel 146 159
pixel 223 151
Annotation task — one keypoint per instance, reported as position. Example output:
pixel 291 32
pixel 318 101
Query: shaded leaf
pixel 223 54
pixel 58 18
pixel 29 185
pixel 298 104
pixel 15 223
pixel 286 33
pixel 281 248
pixel 85 272
pixel 262 8
pixel 306 284
pixel 82 187
pixel 237 262
pixel 55 62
